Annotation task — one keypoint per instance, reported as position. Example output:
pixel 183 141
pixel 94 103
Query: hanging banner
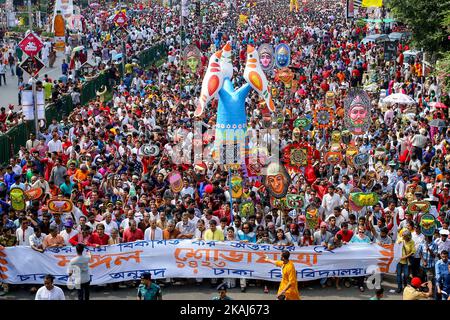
pixel 191 259
pixel 372 3
pixel 27 105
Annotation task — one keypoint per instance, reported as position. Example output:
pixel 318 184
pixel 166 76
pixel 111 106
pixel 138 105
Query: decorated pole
pixel 33 79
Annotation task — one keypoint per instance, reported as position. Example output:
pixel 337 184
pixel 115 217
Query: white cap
pixel 444 232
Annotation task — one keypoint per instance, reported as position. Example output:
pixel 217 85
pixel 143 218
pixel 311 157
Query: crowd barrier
pixel 17 136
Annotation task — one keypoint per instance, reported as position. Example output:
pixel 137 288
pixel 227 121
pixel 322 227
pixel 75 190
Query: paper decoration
pixel 312 217
pixel 34 193
pixel 17 199
pixel 282 55
pixel 255 161
pixel 59 205
pixel 236 185
pixel 280 204
pixel 323 117
pixel 357 112
pixel 246 209
pixel 192 58
pixel 428 224
pixel 285 75
pixel 360 160
pixel 419 207
pixel 243 19
pixel 303 122
pixel 277 180
pixel 329 99
pixel 254 75
pixel 346 137
pixel 150 150
pixel 293 4
pixel 211 84
pixel 332 157
pixel 266 56
pixel 299 155
pixel 352 204
pixel 362 199
pixel 176 181
pixel 350 153
pixel 295 201
pixel 336 137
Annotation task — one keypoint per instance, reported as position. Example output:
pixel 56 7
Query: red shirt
pixel 78 238
pixel 96 239
pixel 130 236
pixel 346 237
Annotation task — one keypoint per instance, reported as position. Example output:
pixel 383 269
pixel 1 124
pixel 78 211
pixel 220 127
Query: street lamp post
pixel 33 79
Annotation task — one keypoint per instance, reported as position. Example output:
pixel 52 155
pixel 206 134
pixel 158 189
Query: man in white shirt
pixel 186 227
pixel 330 201
pixel 208 216
pixel 125 223
pixel 154 214
pixel 49 291
pixel 153 233
pixel 345 186
pixel 68 232
pixel 24 233
pixel 109 224
pixel 55 145
pixel 400 187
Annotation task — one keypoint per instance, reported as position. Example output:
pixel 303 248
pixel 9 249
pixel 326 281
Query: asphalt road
pixel 189 291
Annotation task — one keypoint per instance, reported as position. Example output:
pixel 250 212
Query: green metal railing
pixel 11 141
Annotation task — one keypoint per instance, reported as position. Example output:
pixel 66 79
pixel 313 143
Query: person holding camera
pixel 418 290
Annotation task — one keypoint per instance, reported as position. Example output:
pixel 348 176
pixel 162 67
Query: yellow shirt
pixel 289 275
pixel 216 235
pixel 408 247
pixel 412 294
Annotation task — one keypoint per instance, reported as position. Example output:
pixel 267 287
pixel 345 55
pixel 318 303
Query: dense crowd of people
pixel 94 156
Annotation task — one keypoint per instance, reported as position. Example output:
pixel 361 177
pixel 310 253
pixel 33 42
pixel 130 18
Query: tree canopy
pixel 428 20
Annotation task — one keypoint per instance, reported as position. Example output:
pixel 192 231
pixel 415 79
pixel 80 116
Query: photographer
pixel 418 290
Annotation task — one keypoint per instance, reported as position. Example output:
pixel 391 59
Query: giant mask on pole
pixel 357 112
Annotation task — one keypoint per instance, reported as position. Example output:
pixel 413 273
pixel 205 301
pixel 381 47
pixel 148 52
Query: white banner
pixel 27 105
pixel 196 259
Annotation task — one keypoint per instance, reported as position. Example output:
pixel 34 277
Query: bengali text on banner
pixel 194 259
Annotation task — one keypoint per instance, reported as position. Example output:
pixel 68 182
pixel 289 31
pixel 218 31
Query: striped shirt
pixel 426 255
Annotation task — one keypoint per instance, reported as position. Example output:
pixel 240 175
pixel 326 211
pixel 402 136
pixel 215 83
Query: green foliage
pixel 427 21
pixel 443 72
